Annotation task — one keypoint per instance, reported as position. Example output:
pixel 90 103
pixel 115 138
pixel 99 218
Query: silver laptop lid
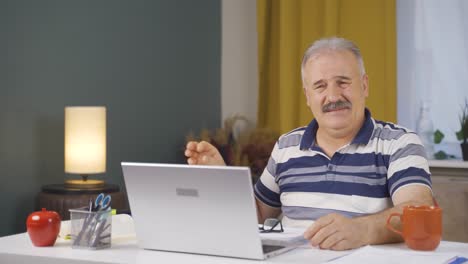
pixel 195 209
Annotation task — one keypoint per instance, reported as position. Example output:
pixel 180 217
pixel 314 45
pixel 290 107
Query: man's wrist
pixel 366 229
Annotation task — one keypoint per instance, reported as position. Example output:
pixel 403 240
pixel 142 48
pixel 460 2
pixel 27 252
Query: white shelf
pixel 456 164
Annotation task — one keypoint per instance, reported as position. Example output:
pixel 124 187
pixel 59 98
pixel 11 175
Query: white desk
pixel 18 249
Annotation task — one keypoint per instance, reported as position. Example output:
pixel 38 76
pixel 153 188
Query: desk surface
pixel 18 249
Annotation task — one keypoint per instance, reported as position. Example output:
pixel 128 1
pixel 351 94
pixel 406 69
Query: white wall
pixel 239 78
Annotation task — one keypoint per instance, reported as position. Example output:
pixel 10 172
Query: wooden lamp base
pixel 81 184
pixel 84 183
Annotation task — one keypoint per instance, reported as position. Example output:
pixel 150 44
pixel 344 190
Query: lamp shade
pixel 85 139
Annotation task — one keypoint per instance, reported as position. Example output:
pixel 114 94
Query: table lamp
pixel 85 145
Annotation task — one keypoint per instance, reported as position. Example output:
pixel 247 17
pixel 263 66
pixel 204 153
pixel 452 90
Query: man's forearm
pixel 377 233
pixel 260 217
pixel 264 211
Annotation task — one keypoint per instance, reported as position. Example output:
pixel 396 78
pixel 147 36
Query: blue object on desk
pixel 458 260
pixel 102 202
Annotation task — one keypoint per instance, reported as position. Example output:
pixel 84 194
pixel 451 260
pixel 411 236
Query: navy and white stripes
pixel 359 179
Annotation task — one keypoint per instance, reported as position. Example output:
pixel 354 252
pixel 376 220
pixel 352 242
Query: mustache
pixel 336 106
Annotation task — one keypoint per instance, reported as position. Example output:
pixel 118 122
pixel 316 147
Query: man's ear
pixel 365 85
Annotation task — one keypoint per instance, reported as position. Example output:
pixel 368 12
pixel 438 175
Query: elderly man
pixel 345 173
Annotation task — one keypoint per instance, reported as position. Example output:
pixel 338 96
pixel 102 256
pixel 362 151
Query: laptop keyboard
pixel 270 248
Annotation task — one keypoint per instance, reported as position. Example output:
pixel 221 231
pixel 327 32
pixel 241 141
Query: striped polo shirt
pixel 359 179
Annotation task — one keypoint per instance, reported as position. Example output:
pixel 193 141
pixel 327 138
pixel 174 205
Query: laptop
pixel 206 210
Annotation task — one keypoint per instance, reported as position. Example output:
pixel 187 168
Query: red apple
pixel 43 227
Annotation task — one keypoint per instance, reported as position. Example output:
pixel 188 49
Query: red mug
pixel 421 226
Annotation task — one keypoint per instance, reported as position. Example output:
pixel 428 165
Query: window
pixel 432 64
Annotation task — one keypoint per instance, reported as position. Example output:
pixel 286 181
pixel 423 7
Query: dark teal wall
pixel 154 64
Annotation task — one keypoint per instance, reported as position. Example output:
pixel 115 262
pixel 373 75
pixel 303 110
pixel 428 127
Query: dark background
pixel 155 65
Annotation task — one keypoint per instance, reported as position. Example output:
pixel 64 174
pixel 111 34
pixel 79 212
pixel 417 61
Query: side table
pixel 56 197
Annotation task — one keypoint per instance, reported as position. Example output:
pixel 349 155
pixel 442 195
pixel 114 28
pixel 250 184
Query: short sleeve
pixel 408 164
pixel 266 189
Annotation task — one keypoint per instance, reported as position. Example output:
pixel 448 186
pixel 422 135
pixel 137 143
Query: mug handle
pixel 389 225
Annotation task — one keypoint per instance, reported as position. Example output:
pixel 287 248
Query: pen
pixel 458 260
pixel 88 218
pixel 96 236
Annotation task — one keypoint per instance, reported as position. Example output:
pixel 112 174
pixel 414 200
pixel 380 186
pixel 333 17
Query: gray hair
pixel 332 44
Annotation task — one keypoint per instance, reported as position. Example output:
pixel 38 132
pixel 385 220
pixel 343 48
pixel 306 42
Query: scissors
pixel 102 202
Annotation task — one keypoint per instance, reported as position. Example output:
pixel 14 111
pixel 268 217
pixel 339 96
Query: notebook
pixel 196 209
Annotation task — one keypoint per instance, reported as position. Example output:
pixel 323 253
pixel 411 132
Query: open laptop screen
pixel 196 209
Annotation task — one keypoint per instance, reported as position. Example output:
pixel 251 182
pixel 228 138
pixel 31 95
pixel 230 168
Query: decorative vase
pixel 464 147
pixel 425 130
pixel 43 227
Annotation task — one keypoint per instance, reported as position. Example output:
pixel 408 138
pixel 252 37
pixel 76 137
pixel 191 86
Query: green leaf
pixel 460 135
pixel 438 136
pixel 463 133
pixel 440 155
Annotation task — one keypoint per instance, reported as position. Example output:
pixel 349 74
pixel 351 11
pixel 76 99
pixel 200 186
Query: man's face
pixel 335 89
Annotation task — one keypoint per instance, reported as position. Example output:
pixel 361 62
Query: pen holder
pixel 90 230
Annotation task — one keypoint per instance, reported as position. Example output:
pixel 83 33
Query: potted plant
pixel 462 135
pixel 245 147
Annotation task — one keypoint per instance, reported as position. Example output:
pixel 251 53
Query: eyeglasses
pixel 271 225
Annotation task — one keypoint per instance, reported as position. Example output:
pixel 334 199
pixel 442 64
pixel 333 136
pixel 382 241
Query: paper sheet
pixel 369 254
pixel 290 236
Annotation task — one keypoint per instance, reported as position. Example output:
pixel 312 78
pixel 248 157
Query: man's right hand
pixel 203 153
